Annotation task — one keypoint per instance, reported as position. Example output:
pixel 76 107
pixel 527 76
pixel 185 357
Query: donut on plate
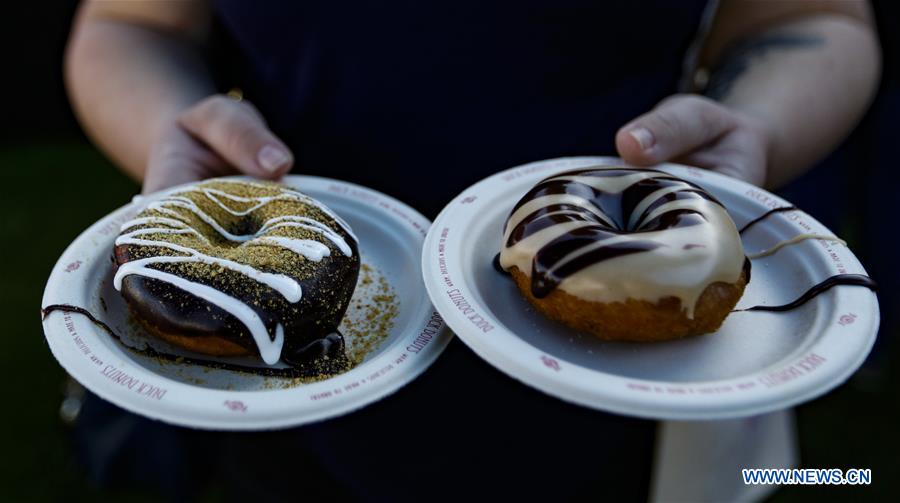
pixel 626 254
pixel 229 268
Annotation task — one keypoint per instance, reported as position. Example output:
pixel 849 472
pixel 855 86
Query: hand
pixel 217 136
pixel 697 131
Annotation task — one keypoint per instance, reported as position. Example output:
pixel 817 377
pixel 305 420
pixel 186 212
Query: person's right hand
pixel 218 136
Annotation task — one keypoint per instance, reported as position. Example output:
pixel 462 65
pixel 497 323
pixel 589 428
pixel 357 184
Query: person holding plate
pixel 420 100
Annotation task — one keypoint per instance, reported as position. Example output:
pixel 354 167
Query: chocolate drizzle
pixel 833 281
pixel 307 362
pixel 766 215
pixel 816 290
pixel 497 267
pixel 608 214
pixel 82 311
pixel 544 280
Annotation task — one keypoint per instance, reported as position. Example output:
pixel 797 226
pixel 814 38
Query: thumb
pixel 176 158
pixel 677 126
pixel 237 132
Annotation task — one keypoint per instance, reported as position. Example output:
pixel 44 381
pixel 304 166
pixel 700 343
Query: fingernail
pixel 272 158
pixel 643 136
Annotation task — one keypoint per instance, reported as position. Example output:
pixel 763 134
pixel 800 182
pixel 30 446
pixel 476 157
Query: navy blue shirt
pixel 420 99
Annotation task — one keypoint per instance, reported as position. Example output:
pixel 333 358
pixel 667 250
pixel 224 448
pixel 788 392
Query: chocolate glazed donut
pixel 625 253
pixel 232 268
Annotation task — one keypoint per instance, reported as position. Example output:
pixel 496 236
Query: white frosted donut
pixel 609 234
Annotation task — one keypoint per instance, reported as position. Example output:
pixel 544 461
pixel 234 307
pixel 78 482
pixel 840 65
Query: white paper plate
pixel 757 362
pixel 391 236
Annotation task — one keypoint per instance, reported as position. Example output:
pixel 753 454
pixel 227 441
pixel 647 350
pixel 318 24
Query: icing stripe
pixel 152 220
pixel 164 230
pixel 273 223
pixel 796 239
pixel 269 349
pixel 309 224
pixel 260 201
pixel 285 285
pixel 185 203
pixel 308 248
pixel 303 198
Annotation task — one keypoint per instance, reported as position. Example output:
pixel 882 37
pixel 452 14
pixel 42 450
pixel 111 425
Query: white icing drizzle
pixel 288 287
pixel 310 249
pixel 166 230
pixel 273 223
pixel 260 201
pixel 185 203
pixel 269 349
pixel 796 239
pixel 303 198
pixel 175 223
pixel 309 224
pixel 178 224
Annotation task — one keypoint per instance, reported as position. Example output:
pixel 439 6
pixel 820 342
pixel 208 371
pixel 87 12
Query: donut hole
pixel 620 214
pixel 682 217
pixel 248 225
pixel 616 211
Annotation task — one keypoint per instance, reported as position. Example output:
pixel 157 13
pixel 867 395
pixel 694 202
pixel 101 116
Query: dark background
pixel 53 184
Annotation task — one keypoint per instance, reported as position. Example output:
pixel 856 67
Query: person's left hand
pixel 697 131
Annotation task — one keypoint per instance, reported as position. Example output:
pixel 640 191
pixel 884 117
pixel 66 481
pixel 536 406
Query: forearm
pixel 127 81
pixel 807 82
